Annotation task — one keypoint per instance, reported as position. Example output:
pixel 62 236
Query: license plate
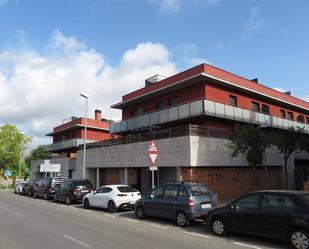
pixel 132 202
pixel 83 191
pixel 207 205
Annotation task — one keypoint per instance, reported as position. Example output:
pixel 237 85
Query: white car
pixel 112 197
pixel 19 187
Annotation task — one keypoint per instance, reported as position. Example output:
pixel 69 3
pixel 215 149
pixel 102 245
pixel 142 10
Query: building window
pixel 307 119
pixel 265 109
pixel 159 105
pixel 142 110
pixel 233 100
pixel 172 101
pixel 282 113
pixel 255 106
pixel 134 112
pixel 301 119
pixel 290 116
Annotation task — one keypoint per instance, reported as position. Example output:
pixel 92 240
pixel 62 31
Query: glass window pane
pixel 248 202
pixel 158 192
pixel 170 192
pixel 273 202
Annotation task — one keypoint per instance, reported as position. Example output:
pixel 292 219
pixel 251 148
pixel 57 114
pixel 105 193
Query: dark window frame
pixel 172 101
pixel 255 104
pixel 265 109
pixel 282 114
pixel 290 116
pixel 233 100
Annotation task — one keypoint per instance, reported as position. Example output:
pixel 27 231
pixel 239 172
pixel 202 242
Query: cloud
pixel 40 88
pixel 255 21
pixel 3 2
pixel 306 98
pixel 174 6
pixel 280 89
pixel 187 55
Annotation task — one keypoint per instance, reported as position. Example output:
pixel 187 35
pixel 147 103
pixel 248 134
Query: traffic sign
pixel 7 173
pixel 153 152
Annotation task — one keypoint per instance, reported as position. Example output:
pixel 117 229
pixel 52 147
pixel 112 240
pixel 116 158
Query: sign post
pixel 153 153
pixel 7 174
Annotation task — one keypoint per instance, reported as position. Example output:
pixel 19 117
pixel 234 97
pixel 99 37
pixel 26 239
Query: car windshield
pixel 127 189
pixel 198 190
pixel 306 198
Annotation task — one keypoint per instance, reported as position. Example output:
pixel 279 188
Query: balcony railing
pixel 204 107
pixel 72 143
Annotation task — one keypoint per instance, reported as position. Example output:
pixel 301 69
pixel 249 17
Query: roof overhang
pixel 76 127
pixel 198 78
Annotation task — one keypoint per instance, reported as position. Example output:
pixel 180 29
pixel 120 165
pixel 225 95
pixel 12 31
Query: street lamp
pixel 85 135
pixel 20 154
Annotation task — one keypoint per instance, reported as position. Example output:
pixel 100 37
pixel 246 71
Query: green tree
pixel 250 141
pixel 38 153
pixel 287 142
pixel 12 145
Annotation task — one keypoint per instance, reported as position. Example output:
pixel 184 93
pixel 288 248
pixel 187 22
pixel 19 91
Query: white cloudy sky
pixel 39 89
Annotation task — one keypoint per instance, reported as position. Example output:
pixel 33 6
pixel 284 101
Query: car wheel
pixel 55 197
pixel 35 195
pixel 111 207
pixel 15 191
pixel 299 239
pixel 182 219
pixel 45 196
pixel 29 193
pixel 140 212
pixel 86 204
pixel 218 227
pixel 67 200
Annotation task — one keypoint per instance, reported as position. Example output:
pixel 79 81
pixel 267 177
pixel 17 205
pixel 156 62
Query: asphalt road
pixel 27 223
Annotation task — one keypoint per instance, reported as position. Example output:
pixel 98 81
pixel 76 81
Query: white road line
pixel 158 226
pixel 197 234
pixel 75 240
pixel 5 208
pixel 109 215
pixel 246 245
pixel 87 211
pixel 131 220
pixel 20 215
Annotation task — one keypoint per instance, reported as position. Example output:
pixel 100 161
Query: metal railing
pixel 193 130
pixel 204 107
pixel 71 143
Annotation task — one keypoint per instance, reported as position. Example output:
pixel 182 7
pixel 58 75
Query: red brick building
pixel 189 115
pixel 68 136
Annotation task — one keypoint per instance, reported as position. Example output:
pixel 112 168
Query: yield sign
pixel 153 152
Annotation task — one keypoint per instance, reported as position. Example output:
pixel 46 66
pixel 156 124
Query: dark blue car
pixel 182 201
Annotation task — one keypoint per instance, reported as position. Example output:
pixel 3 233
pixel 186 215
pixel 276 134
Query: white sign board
pixel 153 168
pixel 50 168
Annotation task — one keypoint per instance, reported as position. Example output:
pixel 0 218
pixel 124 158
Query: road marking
pixel 87 211
pixel 5 208
pixel 109 215
pixel 197 234
pixel 20 215
pixel 131 220
pixel 246 245
pixel 75 240
pixel 158 226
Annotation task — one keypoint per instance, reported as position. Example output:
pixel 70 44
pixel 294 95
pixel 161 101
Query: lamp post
pixel 85 135
pixel 20 154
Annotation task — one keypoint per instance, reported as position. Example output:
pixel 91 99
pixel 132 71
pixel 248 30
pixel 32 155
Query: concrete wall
pixel 66 165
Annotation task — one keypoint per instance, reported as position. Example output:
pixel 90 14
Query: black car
pixel 29 187
pixel 46 187
pixel 182 201
pixel 275 214
pixel 73 191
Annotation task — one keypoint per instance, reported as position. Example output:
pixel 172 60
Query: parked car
pixel 46 187
pixel 19 187
pixel 72 191
pixel 29 187
pixel 275 214
pixel 112 197
pixel 182 201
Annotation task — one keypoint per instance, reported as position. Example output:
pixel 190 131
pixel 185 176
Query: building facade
pixel 190 115
pixel 66 139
